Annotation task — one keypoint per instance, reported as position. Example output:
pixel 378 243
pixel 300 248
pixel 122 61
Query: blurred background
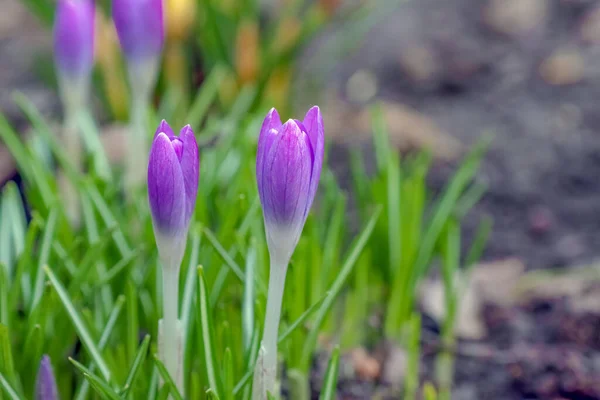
pixel 445 72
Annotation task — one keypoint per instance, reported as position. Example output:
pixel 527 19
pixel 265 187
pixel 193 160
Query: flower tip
pixel 45 383
pixel 165 128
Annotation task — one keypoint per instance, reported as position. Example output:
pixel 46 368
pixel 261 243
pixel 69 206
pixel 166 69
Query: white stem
pixel 265 372
pixel 141 77
pixel 171 334
pixel 137 144
pixel 72 142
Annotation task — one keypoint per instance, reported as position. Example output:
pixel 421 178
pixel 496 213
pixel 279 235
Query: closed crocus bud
pixel 74 38
pixel 172 187
pixel 45 386
pixel 288 168
pixel 140 26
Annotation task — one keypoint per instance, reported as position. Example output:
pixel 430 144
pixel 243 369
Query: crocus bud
pixel 140 26
pixel 173 170
pixel 74 38
pixel 288 168
pixel 45 386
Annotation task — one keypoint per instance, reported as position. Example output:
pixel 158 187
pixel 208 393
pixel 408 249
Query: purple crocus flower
pixel 140 27
pixel 45 386
pixel 74 38
pixel 173 179
pixel 288 168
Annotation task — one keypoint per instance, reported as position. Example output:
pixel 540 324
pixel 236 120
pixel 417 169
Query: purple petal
pixel 45 386
pixel 313 122
pixel 166 188
pixel 286 178
pixel 74 37
pixel 140 27
pixel 164 128
pixel 268 132
pixel 190 167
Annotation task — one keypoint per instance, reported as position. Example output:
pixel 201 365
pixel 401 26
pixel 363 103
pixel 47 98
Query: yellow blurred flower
pixel 278 87
pixel 181 15
pixel 109 61
pixel 228 89
pixel 288 33
pixel 247 51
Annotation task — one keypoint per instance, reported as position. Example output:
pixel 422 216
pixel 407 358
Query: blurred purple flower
pixel 74 37
pixel 288 168
pixel 140 27
pixel 45 386
pixel 173 170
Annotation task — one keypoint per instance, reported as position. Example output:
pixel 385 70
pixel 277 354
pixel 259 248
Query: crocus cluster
pixel 288 168
pixel 173 169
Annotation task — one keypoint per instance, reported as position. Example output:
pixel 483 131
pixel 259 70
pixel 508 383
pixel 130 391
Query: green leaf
pixel 207 335
pixel 228 375
pixel 97 383
pixel 140 357
pixel 211 395
pixel 44 256
pixel 7 366
pixel 110 324
pixel 4 285
pixel 132 320
pixel 80 327
pixel 8 389
pixel 205 96
pixel 336 287
pixel 221 251
pixel 300 320
pixel 164 392
pixel 329 389
pixel 167 378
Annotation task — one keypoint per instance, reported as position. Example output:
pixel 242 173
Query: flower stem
pixel 142 78
pixel 171 338
pixel 72 141
pixel 137 157
pixel 265 372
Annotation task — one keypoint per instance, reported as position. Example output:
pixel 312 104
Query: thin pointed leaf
pixel 207 335
pixel 336 287
pixel 140 357
pixel 80 327
pixel 167 378
pixel 328 391
pixel 96 382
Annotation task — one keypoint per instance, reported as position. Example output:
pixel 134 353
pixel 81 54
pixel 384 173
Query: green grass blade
pixel 300 320
pixel 207 335
pixel 8 389
pixel 101 387
pixel 140 357
pixel 205 97
pixel 328 391
pixel 80 327
pixel 336 287
pixel 44 256
pixel 7 366
pixel 228 375
pixel 167 378
pixel 235 268
pixel 97 383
